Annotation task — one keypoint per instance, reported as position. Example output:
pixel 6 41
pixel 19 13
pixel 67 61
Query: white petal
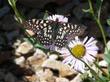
pixel 92 52
pixel 79 66
pixel 91 43
pixel 73 63
pixel 85 59
pixel 65 19
pixel 74 41
pixel 70 44
pixel 60 18
pixel 89 58
pixel 63 50
pixel 77 39
pixel 54 19
pixel 85 39
pixel 95 48
pixel 90 40
pixel 67 59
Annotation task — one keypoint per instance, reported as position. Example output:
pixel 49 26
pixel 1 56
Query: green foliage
pixel 45 15
pixel 86 10
pixel 12 3
pixel 19 18
pixel 96 15
pixel 107 55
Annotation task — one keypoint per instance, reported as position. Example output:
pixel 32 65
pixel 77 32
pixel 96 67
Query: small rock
pixel 46 75
pixel 37 59
pixel 39 54
pixel 100 56
pixel 43 81
pixel 63 69
pixel 77 78
pixel 103 63
pixel 62 80
pixel 53 57
pixel 25 48
pixel 105 71
pixel 20 61
pixel 52 79
pixel 17 54
pixel 17 43
pixel 31 78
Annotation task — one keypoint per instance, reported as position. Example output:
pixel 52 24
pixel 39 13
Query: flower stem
pixel 97 19
pixel 102 30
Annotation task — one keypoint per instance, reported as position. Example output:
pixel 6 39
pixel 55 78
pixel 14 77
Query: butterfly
pixel 54 33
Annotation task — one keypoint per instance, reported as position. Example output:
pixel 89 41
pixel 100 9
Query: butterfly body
pixel 49 32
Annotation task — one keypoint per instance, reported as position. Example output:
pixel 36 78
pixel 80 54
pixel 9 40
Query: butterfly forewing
pixel 42 30
pixel 75 30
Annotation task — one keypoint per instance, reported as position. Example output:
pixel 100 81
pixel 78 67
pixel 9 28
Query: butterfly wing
pixel 54 33
pixel 42 30
pixel 75 30
pixel 68 31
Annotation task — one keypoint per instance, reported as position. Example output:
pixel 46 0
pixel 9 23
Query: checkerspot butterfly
pixel 49 32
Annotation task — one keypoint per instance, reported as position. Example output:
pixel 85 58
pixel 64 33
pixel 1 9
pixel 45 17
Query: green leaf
pixel 108 22
pixel 18 16
pixel 86 10
pixel 104 78
pixel 45 15
pixel 109 69
pixel 107 56
pixel 38 46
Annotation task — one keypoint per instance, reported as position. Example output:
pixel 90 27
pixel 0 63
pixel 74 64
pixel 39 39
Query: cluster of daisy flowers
pixel 77 51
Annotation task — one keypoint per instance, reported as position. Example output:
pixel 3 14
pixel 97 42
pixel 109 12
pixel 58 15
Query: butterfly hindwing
pixel 68 31
pixel 60 40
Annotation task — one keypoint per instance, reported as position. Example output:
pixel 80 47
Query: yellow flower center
pixel 78 51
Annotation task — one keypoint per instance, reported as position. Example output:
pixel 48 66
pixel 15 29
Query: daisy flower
pixel 59 18
pixel 85 50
